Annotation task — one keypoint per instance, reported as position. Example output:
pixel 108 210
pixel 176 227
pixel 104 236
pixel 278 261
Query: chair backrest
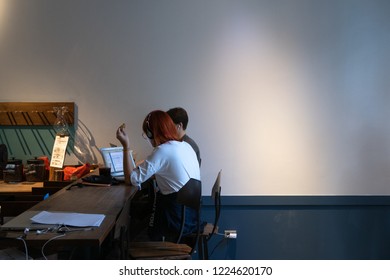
pixel 190 196
pixel 216 195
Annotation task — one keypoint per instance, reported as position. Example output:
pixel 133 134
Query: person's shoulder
pixel 178 145
pixel 169 145
pixel 162 150
pixel 190 141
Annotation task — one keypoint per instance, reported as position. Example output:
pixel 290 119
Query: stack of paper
pixel 68 219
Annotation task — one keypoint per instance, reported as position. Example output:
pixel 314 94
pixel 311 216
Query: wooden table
pixel 109 201
pixel 21 187
pixel 16 198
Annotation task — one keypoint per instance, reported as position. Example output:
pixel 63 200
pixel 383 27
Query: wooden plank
pixel 33 113
pixel 22 187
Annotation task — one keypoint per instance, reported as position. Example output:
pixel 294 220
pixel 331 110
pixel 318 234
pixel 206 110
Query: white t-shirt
pixel 173 164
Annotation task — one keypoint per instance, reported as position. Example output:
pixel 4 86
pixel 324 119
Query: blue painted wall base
pixel 302 227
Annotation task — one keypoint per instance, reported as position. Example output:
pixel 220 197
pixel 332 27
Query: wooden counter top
pixel 22 187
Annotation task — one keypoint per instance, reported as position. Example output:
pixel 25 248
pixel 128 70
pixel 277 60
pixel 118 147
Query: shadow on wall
pixel 26 142
pixel 84 146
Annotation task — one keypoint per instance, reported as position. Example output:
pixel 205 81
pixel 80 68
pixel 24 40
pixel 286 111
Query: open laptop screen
pixel 114 157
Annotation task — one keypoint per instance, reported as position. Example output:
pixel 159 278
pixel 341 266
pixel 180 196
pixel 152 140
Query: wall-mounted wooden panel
pixel 33 113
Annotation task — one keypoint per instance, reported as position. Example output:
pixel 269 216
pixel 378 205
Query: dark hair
pixel 179 115
pixel 160 127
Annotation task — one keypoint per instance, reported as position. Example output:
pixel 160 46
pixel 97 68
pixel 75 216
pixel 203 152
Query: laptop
pixel 114 157
pixel 23 221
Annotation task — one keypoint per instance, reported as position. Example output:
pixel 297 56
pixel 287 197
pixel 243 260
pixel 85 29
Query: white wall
pixel 286 97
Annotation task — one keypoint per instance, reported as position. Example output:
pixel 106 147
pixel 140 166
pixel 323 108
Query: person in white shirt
pixel 172 162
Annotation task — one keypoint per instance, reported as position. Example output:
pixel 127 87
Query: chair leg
pixel 200 248
pixel 123 243
pixel 203 248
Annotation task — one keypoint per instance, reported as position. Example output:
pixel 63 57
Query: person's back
pixel 173 164
pixel 194 146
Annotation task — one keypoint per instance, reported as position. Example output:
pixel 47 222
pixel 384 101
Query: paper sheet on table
pixel 69 219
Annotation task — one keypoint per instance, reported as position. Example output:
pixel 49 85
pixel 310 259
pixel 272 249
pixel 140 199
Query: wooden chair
pixel 211 228
pixel 188 196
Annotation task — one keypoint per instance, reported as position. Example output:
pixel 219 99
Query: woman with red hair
pixel 172 163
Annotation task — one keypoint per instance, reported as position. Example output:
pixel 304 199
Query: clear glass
pixel 60 125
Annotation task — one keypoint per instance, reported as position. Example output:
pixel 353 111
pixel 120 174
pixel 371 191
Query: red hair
pixel 159 125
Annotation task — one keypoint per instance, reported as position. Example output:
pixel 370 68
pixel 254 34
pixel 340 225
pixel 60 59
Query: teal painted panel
pixel 26 142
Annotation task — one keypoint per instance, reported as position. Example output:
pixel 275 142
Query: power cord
pixel 78 184
pixel 61 229
pixel 27 231
pixel 25 245
pixel 64 229
pixel 47 242
pixel 49 229
pixel 218 244
pixel 22 238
